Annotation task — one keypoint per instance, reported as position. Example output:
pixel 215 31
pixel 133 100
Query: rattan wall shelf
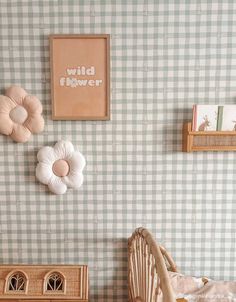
pixel 207 140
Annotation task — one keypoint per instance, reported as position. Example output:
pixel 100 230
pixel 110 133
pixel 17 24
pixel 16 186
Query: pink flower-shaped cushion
pixel 20 114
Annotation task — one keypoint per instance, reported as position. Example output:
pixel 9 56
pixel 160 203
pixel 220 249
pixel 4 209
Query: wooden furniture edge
pixel 69 36
pixel 43 265
pixel 51 37
pixel 84 284
pixel 58 297
pixel 187 139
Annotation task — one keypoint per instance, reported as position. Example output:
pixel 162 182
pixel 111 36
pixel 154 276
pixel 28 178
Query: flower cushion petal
pixel 64 149
pixel 76 162
pixel 56 185
pixel 44 173
pixel 6 104
pixel 47 155
pixel 73 180
pixel 16 93
pixel 20 133
pixel 6 124
pixel 63 167
pixel 32 104
pixel 35 123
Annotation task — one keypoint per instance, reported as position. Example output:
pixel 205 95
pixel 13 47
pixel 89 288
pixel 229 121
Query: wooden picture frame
pixel 80 76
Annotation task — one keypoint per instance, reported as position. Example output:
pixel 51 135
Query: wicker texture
pixel 214 141
pixel 148 269
pixel 207 140
pixel 36 278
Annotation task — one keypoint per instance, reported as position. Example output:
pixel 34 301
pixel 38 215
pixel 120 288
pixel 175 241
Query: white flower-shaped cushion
pixel 60 167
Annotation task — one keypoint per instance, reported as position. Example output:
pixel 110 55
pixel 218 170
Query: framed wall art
pixel 80 77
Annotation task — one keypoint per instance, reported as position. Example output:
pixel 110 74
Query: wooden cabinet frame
pixel 75 278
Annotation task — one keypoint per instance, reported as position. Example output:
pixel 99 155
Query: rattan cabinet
pixel 43 283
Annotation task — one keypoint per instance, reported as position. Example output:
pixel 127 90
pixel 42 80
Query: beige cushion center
pixel 61 168
pixel 19 115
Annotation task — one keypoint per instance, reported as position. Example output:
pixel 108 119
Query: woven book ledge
pixel 207 140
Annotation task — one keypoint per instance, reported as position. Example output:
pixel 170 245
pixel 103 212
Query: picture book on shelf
pixel 226 118
pixel 205 117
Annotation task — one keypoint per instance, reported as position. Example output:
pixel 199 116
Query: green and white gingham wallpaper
pixel 165 56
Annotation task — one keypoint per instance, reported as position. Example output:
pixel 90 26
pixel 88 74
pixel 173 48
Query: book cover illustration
pixel 205 117
pixel 227 118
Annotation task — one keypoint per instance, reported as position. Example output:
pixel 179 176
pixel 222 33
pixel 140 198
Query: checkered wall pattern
pixel 165 56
